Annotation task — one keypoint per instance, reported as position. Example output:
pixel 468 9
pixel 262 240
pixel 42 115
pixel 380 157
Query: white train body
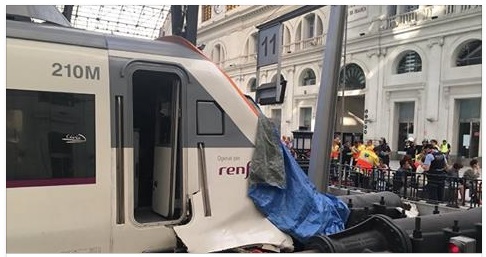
pixel 123 145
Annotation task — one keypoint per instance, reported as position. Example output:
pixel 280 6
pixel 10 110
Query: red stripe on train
pixel 50 182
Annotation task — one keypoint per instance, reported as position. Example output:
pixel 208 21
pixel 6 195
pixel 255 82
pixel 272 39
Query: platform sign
pixel 269 40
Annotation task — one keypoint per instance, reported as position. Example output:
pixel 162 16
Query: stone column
pixel 288 107
pixel 432 91
pixel 373 98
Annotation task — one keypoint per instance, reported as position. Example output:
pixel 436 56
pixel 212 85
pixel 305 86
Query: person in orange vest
pixel 335 149
pixel 356 149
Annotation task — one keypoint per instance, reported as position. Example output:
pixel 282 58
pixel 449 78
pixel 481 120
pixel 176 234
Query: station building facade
pixel 407 71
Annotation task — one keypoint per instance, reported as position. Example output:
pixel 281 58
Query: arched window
pixel 206 12
pixel 253 44
pixel 252 85
pixel 470 53
pixel 310 26
pixel 410 62
pixel 308 77
pixel 354 77
pixel 319 26
pixel 298 32
pixel 286 41
pixel 218 54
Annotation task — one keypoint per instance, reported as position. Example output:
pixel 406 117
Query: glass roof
pixel 143 21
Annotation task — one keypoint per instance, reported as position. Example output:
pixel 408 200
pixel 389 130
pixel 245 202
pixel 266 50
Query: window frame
pixel 307 77
pixel 469 61
pixel 417 64
pixel 80 141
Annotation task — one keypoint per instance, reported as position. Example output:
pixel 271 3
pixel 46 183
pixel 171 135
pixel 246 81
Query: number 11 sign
pixel 269 40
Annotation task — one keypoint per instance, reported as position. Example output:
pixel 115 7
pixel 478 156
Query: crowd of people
pixel 432 159
pixel 370 164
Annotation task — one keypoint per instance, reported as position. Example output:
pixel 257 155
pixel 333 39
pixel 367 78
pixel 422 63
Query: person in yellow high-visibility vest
pixel 369 145
pixel 445 148
pixel 366 161
pixel 356 149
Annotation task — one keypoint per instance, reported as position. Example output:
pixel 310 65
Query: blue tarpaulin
pixel 297 208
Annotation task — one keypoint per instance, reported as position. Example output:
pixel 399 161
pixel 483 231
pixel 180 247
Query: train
pixel 125 145
pixel 118 144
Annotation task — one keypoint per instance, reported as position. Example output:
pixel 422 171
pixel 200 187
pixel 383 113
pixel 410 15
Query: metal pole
pixel 279 64
pixel 343 87
pixel 191 18
pixel 326 105
pixel 176 19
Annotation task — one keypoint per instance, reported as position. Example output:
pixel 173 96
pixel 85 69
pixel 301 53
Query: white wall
pixel 377 51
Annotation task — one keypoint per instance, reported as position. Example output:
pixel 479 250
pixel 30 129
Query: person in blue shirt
pixel 435 166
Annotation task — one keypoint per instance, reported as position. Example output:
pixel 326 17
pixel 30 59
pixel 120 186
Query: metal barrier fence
pixel 433 188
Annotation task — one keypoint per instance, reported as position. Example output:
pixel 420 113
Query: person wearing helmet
pixel 410 148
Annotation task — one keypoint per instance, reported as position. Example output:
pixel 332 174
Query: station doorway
pixel 352 115
pixel 469 127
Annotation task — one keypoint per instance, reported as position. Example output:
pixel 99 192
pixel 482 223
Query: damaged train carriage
pixel 122 145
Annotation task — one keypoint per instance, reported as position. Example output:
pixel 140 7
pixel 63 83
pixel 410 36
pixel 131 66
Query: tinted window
pixel 470 54
pixel 210 118
pixel 410 62
pixel 50 138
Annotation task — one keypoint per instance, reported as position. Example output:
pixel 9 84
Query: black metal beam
pixel 191 23
pixel 68 12
pixel 177 19
pixel 290 15
pixel 184 21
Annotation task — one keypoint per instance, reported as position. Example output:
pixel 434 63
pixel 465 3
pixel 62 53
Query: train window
pixel 50 138
pixel 210 118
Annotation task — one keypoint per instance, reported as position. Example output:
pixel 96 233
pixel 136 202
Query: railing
pixel 453 9
pixel 402 20
pixel 408 19
pixel 309 43
pixel 452 191
pixel 250 58
pixel 286 49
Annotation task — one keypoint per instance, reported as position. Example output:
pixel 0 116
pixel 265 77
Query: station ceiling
pixel 142 21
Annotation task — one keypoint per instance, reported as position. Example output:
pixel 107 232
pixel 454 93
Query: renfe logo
pixel 232 170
